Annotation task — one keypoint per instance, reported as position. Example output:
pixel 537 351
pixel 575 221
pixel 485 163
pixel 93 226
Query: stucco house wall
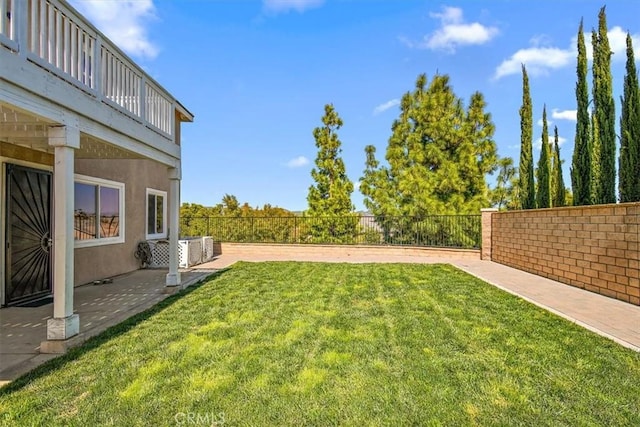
pixel 101 262
pixel 104 261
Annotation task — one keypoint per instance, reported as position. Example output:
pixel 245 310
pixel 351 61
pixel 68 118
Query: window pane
pixel 109 212
pixel 159 214
pixel 84 215
pixel 151 214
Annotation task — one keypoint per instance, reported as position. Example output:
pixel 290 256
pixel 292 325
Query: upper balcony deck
pixel 93 77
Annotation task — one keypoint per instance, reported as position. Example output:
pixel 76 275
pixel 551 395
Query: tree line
pixel 437 158
pixel 593 167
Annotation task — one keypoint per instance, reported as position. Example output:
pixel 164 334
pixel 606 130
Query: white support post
pixel 173 277
pixel 65 323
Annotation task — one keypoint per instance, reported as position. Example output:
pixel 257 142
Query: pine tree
pixel 543 193
pixel 559 191
pixel 604 153
pixel 581 161
pixel 331 195
pixel 438 156
pixel 629 173
pixel 527 185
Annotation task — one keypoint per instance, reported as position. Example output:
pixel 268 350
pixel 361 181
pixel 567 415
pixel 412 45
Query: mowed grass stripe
pixel 337 344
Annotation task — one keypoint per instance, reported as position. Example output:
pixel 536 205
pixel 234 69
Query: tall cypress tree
pixel 596 182
pixel 604 153
pixel 581 161
pixel 543 194
pixel 553 173
pixel 629 174
pixel 559 192
pixel 527 186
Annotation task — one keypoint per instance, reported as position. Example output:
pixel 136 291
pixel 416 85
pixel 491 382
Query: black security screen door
pixel 28 254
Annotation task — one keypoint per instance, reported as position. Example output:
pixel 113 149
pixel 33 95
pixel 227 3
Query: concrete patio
pixel 23 329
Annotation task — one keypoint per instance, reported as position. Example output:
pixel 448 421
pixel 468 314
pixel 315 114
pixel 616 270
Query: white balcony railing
pixel 51 34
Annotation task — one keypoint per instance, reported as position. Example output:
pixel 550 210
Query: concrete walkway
pixel 102 306
pixel 23 329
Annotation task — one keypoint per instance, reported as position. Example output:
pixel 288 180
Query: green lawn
pixel 336 344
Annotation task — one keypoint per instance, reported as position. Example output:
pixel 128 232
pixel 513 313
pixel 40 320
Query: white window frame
pixel 90 180
pixel 154 192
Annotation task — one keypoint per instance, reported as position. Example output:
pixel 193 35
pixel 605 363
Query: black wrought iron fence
pixel 452 231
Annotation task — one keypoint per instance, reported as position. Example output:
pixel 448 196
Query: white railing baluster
pixel 97 73
pixel 42 36
pixel 73 70
pixel 12 24
pixel 143 96
pixel 58 42
pixel 158 109
pixel 4 9
pixel 5 21
pixel 77 68
pixel 50 35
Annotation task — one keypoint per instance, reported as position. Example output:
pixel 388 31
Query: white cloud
pixel 538 60
pixel 541 40
pixel 537 144
pixel 454 32
pixel 124 22
pixel 298 162
pixel 384 107
pixel 565 114
pixel 407 42
pixel 617 42
pixel 280 6
pixel 561 141
pixel 541 60
pixel 540 123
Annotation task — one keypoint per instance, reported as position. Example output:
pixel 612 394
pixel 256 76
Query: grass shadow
pixel 103 337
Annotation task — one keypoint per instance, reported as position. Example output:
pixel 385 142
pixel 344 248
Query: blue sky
pixel 257 75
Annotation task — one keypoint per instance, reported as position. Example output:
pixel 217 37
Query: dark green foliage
pixel 581 162
pixel 629 181
pixel 330 198
pixel 596 183
pixel 331 194
pixel 438 156
pixel 504 195
pixel 543 193
pixel 558 189
pixel 231 222
pixel 604 132
pixel 527 185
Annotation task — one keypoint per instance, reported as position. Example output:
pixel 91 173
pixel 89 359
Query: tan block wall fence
pixel 590 247
pixel 267 250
